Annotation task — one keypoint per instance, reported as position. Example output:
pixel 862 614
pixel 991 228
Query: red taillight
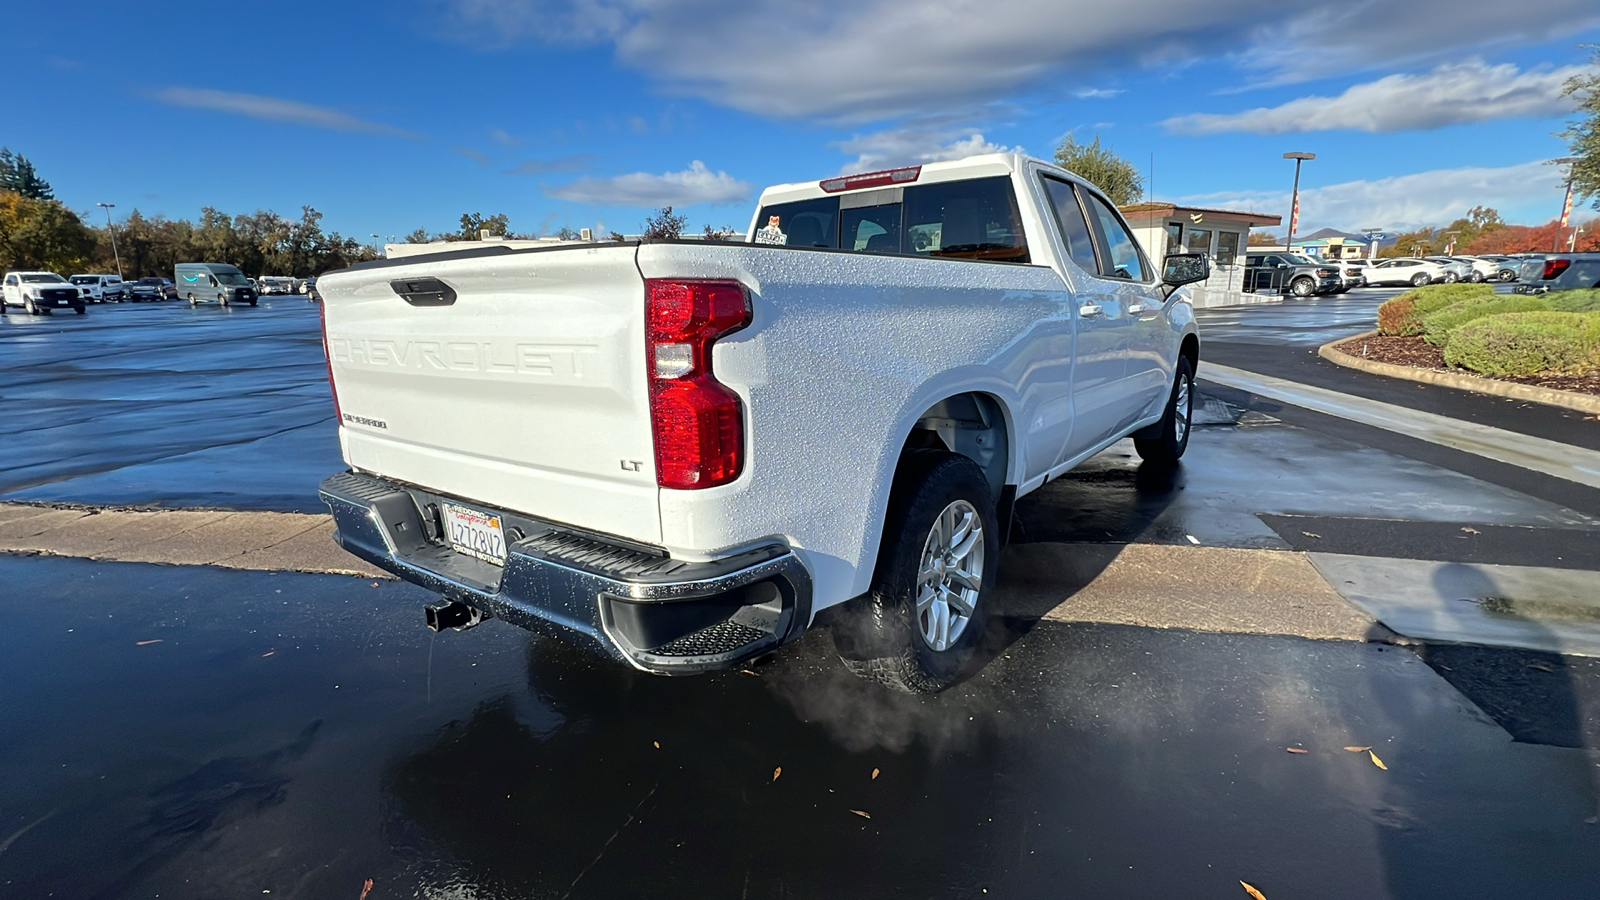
pixel 1554 267
pixel 327 357
pixel 872 179
pixel 696 421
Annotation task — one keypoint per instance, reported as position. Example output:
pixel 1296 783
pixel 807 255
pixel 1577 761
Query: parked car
pixel 164 287
pixel 1405 270
pixel 626 448
pixel 145 289
pixel 275 284
pixel 101 288
pixel 1505 267
pixel 1454 269
pixel 1353 272
pixel 1291 273
pixel 1558 272
pixel 213 283
pixel 40 293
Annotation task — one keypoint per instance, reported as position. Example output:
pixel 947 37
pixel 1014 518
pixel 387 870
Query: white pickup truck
pixel 684 453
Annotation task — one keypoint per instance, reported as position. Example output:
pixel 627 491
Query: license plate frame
pixel 475 533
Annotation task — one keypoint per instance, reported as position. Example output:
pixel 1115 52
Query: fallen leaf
pixel 1376 761
pixel 860 813
pixel 1297 750
pixel 874 774
pixel 374 584
pixel 366 889
pixel 1470 530
pixel 776 772
pixel 657 744
pixel 1358 749
pixel 749 672
pixel 1309 534
pixel 268 653
pixel 1253 892
pixel 1541 667
pixel 148 643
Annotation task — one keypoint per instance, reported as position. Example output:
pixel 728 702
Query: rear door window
pixel 872 229
pixel 1074 227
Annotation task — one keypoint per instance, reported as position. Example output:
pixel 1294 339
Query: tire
pixel 222 299
pixel 1420 279
pixel 1302 287
pixel 81 310
pixel 1167 448
pixel 28 307
pixel 252 303
pixel 1451 278
pixel 1508 275
pixel 193 302
pixel 920 626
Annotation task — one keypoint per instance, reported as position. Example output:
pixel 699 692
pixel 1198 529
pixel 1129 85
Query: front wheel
pixel 1302 287
pixel 1508 275
pixel 81 310
pixel 29 308
pixel 1168 444
pixel 919 627
pixel 1419 279
pixel 1451 278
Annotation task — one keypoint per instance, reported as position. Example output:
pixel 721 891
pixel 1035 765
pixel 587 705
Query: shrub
pixel 1436 326
pixel 1527 343
pixel 1581 300
pixel 1403 315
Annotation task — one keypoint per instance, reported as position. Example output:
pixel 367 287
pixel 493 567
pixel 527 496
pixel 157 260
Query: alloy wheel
pixel 950 575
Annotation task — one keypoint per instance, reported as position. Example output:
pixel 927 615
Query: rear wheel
pixel 193 301
pixel 1419 279
pixel 924 619
pixel 1168 446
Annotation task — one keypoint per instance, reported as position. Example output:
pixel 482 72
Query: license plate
pixel 475 533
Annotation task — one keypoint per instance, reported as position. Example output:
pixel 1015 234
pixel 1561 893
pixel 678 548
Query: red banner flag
pixel 1566 208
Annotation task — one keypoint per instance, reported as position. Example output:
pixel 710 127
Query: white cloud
pixel 883 58
pixel 910 146
pixel 504 138
pixel 1451 94
pixel 275 109
pixel 1405 202
pixel 696 184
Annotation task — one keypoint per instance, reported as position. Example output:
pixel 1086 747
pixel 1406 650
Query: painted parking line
pixel 1552 458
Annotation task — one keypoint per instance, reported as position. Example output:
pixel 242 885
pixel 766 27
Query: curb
pixel 1572 400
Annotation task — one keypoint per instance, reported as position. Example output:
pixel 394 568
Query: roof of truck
pixel 926 173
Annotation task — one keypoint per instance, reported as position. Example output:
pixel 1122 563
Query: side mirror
pixel 1180 269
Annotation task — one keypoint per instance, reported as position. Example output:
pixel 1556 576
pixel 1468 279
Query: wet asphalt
pixel 197 732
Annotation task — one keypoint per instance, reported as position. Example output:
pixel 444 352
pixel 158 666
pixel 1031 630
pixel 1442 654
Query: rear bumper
pixel 628 603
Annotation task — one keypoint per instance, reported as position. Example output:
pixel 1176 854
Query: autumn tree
pixel 42 234
pixel 1264 239
pixel 1101 167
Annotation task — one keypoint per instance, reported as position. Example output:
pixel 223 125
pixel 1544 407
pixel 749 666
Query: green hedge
pixel 1403 315
pixel 1527 343
pixel 1436 326
pixel 1581 300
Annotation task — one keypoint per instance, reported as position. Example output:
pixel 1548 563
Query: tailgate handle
pixel 424 291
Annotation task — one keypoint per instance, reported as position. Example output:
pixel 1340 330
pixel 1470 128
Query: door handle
pixel 1136 309
pixel 1090 310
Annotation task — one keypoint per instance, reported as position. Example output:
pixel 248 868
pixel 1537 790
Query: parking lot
pixel 1168 708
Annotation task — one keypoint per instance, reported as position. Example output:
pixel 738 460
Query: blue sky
pixel 400 115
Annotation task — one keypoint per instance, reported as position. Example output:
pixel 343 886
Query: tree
pixel 1583 135
pixel 1101 167
pixel 42 234
pixel 420 236
pixel 1413 243
pixel 665 224
pixel 1264 238
pixel 474 224
pixel 17 174
pixel 723 234
pixel 567 234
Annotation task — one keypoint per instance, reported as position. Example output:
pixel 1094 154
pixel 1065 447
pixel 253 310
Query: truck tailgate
pixel 525 392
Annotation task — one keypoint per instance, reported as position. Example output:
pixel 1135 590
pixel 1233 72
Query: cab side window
pixel 1074 227
pixel 1124 260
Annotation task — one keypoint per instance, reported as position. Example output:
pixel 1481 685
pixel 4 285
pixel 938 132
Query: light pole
pixel 1450 245
pixel 1566 205
pixel 1294 209
pixel 114 251
pixel 374 245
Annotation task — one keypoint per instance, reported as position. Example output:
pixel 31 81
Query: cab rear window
pixel 972 219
